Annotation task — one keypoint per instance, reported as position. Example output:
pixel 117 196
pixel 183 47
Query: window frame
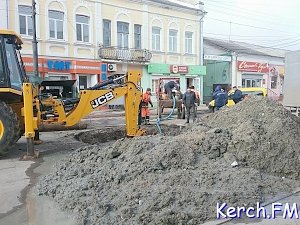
pixel 27 18
pixel 55 25
pixel 189 42
pixel 82 25
pixel 122 36
pixel 16 63
pixel 156 39
pixel 137 36
pixel 274 81
pixel 173 41
pixel 106 31
pixel 154 85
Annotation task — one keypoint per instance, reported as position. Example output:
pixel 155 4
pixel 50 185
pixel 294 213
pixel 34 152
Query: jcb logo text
pixel 102 100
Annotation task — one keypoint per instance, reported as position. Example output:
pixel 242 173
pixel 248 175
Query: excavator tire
pixel 9 128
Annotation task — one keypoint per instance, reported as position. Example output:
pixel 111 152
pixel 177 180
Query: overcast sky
pixel 272 23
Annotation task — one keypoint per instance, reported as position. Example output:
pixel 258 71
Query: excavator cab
pixel 12 73
pixel 12 76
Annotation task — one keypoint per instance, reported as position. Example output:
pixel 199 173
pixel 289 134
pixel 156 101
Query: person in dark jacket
pixel 220 97
pixel 237 95
pixel 189 101
pixel 170 86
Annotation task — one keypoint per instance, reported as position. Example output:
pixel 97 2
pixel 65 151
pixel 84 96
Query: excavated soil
pixel 179 179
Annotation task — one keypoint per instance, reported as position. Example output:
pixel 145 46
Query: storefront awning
pixel 60 83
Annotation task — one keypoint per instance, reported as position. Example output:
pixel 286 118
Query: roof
pixel 182 4
pixel 245 48
pixel 12 33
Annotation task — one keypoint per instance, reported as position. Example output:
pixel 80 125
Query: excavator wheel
pixel 9 128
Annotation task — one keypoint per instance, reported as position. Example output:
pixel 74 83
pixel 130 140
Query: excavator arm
pixel 90 100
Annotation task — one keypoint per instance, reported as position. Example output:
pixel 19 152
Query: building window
pixel 137 36
pixel 106 33
pixel 274 82
pixel 2 71
pixel 123 33
pixel 156 38
pixel 251 83
pixel 155 85
pixel 173 40
pixel 188 42
pixel 25 20
pixel 82 28
pixel 56 24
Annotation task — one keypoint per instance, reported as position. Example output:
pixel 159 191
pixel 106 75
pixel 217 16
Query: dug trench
pixel 113 133
pixel 238 155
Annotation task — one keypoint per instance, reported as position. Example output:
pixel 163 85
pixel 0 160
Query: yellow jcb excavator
pixel 22 109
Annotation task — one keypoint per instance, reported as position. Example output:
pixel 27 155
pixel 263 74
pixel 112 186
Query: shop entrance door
pixel 189 82
pixel 82 82
pixel 197 84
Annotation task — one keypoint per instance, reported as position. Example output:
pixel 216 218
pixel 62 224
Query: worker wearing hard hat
pixel 146 100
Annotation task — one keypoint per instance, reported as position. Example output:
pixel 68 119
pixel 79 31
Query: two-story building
pixel 89 41
pixel 154 36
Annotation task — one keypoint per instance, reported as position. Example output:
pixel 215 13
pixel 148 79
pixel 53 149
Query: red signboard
pixel 179 69
pixel 253 67
pixel 65 66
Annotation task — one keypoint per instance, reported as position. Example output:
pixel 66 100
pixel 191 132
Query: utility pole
pixel 34 41
pixel 201 47
pixel 30 141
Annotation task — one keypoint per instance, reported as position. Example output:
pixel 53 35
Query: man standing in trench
pixel 189 101
pixel 170 86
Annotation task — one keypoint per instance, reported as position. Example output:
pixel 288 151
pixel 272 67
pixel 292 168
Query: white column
pixel 234 78
pixel 201 90
pixel 4 11
pixel 145 28
pixel 98 26
pixel 201 47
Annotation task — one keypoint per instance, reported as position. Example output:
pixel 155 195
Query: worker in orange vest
pixel 146 100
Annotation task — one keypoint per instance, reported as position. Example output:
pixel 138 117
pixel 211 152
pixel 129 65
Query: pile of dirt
pixel 180 179
pixel 265 135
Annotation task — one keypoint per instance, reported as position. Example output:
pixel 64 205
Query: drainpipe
pixel 34 41
pixel 234 78
pixel 201 45
pixel 7 14
pixel 201 42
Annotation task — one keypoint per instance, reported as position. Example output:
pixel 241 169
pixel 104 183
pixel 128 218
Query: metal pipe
pixel 168 117
pixel 97 86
